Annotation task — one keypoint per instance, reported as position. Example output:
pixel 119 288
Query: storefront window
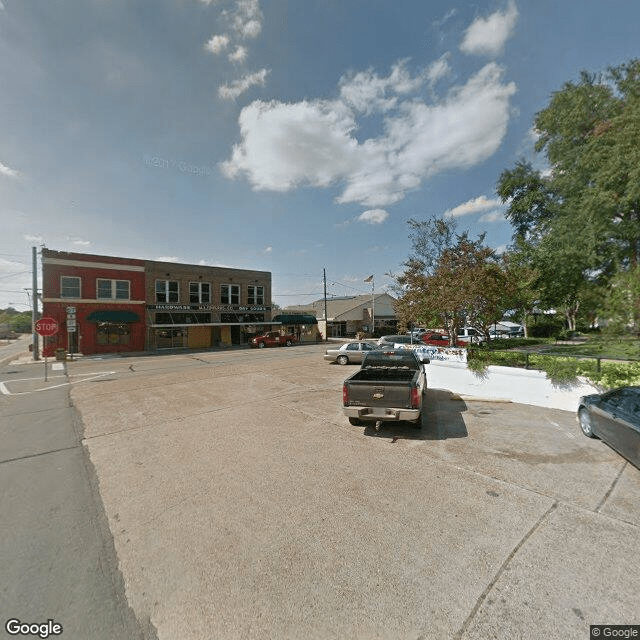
pixel 171 338
pixel 183 318
pixel 113 334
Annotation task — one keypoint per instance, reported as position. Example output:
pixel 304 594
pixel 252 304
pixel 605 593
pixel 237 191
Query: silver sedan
pixel 352 352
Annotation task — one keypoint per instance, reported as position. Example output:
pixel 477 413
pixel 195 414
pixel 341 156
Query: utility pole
pixel 34 302
pixel 326 320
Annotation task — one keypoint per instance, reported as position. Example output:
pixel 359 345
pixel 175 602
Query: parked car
pixel 273 339
pixel 350 353
pixel 436 339
pixel 417 332
pixel 614 417
pixel 391 340
pixel 469 335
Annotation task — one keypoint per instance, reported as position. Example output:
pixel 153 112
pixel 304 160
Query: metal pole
pixel 34 302
pixel 326 320
pixel 373 306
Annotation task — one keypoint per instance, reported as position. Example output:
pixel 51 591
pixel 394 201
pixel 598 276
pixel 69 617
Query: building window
pixel 255 295
pixel 199 292
pixel 112 289
pixel 113 334
pixel 70 287
pixel 167 291
pixel 230 294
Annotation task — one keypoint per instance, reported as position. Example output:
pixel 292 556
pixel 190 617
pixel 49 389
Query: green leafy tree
pixel 581 221
pixel 460 282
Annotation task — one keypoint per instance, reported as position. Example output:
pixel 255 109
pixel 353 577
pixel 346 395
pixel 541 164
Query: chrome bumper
pixel 371 413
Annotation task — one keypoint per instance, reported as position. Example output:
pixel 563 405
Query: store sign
pixel 205 307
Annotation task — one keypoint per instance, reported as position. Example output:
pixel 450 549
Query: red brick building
pixel 98 301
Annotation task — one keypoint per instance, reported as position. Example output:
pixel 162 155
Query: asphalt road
pixel 56 551
pixel 242 504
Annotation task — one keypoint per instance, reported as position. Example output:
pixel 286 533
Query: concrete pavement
pixel 243 505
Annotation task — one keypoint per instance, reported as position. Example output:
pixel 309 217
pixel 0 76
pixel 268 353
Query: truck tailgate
pixel 381 393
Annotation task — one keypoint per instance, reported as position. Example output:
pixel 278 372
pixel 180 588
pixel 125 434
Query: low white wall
pixel 506 383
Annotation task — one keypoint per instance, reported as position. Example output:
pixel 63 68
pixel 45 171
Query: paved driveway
pixel 244 505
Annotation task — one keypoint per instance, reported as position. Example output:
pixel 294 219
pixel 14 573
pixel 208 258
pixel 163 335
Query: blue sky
pixel 284 135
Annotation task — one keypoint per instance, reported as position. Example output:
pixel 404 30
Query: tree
pixel 461 282
pixel 581 222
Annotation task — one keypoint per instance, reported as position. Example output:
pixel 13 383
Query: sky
pixel 292 136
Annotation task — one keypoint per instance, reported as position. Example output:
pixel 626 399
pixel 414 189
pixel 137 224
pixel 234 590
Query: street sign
pixel 46 327
pixel 71 310
pixel 71 322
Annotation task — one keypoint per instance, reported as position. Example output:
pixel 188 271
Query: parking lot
pixel 244 505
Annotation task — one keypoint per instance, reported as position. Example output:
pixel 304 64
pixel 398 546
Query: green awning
pixel 113 316
pixel 295 318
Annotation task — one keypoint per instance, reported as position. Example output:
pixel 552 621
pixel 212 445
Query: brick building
pixel 197 306
pixel 107 304
pixel 98 302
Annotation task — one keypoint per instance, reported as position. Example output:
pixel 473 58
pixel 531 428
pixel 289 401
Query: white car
pixel 469 335
pixel 418 332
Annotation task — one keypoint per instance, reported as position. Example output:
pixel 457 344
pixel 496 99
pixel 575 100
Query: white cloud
pixel 367 92
pixel 30 238
pixel 79 242
pixel 242 22
pixel 487 36
pixel 238 87
pixel 493 216
pixel 217 44
pixel 476 205
pixel 167 259
pixel 373 216
pixel 285 145
pixel 267 250
pixel 439 69
pixel 8 171
pixel 239 55
pixel 247 19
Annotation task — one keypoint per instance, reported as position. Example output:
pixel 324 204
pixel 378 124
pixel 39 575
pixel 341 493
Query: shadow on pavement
pixel 441 420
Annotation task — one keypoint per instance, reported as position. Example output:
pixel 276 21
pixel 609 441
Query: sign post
pixel 46 327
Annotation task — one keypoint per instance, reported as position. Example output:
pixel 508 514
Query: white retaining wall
pixel 507 383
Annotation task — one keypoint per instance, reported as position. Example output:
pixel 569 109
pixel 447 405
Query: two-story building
pixel 98 302
pixel 200 306
pixel 107 304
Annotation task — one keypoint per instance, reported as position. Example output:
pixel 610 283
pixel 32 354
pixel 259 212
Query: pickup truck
pixel 389 386
pixel 273 339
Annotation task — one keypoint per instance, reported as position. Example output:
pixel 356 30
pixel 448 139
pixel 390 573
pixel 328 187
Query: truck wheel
pixel 287 343
pixel 261 345
pixel 342 360
pixel 356 422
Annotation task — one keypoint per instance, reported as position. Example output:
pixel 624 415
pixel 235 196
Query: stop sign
pixel 46 327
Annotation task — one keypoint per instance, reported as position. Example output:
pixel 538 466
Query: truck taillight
pixel 345 394
pixel 415 398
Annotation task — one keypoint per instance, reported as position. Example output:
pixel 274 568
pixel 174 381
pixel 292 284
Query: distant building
pixel 349 315
pixel 106 304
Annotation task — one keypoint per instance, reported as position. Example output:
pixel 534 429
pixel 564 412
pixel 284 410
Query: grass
pixel 554 360
pixel 623 348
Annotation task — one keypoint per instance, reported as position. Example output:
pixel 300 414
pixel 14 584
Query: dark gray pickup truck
pixel 389 386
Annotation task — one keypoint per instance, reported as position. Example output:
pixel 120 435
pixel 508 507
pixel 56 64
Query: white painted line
pixel 57 366
pixel 89 376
